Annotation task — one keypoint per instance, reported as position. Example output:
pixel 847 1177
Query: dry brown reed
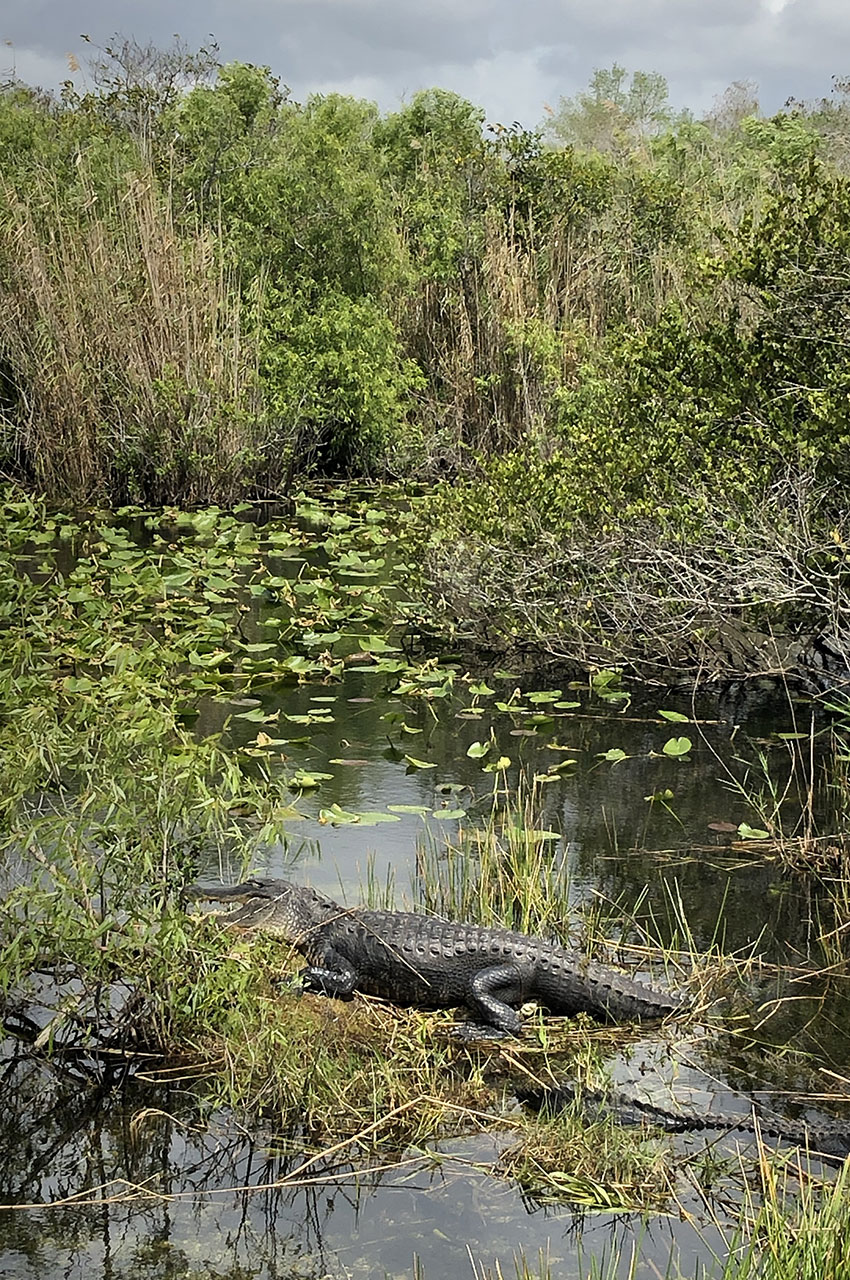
pixel 502 338
pixel 123 342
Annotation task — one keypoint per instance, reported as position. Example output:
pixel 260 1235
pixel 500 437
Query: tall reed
pixel 127 369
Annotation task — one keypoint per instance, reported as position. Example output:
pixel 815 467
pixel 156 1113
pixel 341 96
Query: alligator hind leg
pixel 494 990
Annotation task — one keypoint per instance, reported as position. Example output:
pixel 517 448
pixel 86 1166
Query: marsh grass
pixel 593 1163
pixel 512 872
pixel 508 872
pixel 791 1223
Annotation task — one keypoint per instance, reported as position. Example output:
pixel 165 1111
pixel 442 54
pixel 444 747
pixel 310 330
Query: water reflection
pixel 152 1190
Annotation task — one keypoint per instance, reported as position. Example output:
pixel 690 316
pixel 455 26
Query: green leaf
pixel 614 755
pixel 677 747
pixel 256 716
pixel 419 764
pixel 478 750
pixel 408 808
pixel 746 832
pixel 376 644
pixel 603 679
pixel 338 817
pixel 545 695
pixel 675 716
pixel 300 666
pixel 302 780
pixel 448 815
pixel 498 766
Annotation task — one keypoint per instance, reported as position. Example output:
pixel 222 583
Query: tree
pixel 615 113
pixel 734 105
pixel 134 84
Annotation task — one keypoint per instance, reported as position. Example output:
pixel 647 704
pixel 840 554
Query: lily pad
pixel 746 832
pixel 376 644
pixel 338 817
pixel 498 766
pixel 303 780
pixel 544 695
pixel 257 716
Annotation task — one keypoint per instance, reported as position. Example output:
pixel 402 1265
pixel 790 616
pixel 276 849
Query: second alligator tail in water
pixel 825 1137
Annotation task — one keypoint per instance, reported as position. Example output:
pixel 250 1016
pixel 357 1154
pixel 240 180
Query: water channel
pixel 126 1181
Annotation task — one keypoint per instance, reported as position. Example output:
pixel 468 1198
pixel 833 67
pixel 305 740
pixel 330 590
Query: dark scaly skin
pixel 825 1137
pixel 434 964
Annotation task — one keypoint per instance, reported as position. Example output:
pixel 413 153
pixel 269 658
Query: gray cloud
pixel 509 56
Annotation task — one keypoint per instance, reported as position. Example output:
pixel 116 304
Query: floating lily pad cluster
pixel 214 606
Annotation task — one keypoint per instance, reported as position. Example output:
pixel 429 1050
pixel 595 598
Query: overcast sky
pixel 510 56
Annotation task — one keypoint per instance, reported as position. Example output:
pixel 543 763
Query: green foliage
pixel 336 374
pixel 615 113
pixel 432 153
pixel 660 298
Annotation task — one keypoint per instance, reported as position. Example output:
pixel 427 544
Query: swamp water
pixel 391 761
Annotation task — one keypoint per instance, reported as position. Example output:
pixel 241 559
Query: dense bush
pixel 208 287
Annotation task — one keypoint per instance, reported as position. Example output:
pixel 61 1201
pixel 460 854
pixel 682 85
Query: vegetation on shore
pixel 622 334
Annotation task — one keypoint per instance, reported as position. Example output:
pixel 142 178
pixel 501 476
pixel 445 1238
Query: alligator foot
pixel 477 1033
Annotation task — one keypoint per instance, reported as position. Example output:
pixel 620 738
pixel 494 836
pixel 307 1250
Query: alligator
pixel 412 959
pixel 826 1137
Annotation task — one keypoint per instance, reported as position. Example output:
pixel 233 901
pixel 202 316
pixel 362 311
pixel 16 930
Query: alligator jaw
pixel 244 892
pixel 255 905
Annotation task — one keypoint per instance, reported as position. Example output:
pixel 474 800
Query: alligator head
pixel 261 905
pixel 270 906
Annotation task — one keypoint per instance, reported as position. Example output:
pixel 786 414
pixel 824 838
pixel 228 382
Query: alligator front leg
pixel 334 976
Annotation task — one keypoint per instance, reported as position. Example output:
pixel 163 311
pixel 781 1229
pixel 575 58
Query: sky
pixel 514 58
